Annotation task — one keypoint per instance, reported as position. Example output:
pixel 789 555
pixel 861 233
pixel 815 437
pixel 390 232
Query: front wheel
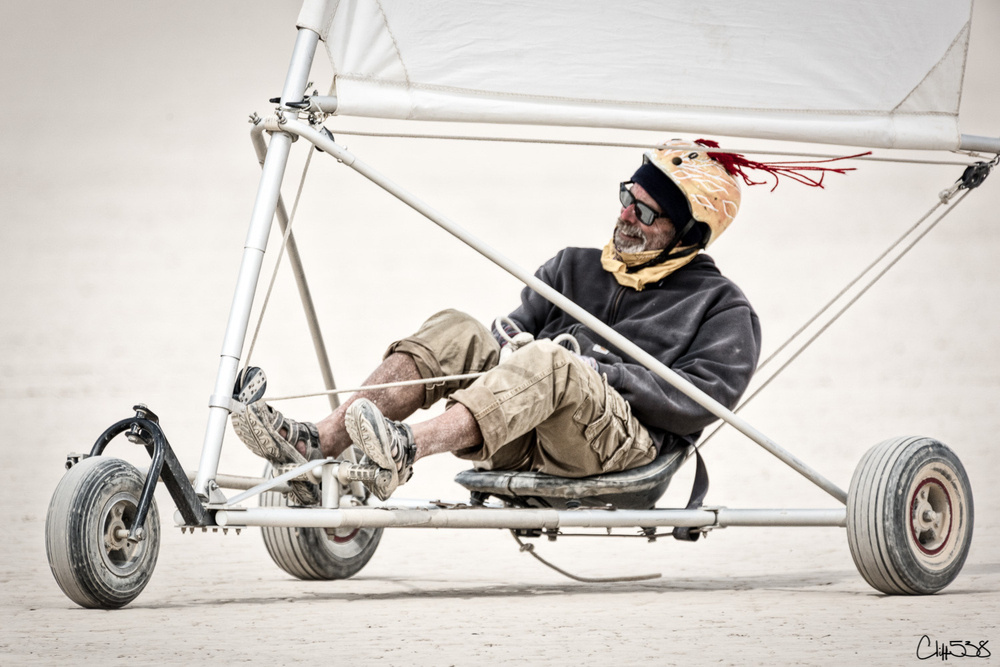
pixel 93 508
pixel 909 516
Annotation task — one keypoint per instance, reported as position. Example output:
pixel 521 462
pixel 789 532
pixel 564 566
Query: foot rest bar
pixel 343 471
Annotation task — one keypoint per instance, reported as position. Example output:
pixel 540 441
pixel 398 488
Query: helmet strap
pixel 665 254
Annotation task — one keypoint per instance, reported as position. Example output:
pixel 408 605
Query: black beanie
pixel 664 192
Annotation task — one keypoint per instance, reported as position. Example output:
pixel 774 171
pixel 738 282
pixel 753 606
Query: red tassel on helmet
pixel 736 162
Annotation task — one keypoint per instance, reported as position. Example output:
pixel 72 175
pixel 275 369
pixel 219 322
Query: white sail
pixel 874 74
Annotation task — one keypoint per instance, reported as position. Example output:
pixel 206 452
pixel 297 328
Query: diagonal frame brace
pixel 328 145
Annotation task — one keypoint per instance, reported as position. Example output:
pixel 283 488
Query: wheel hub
pixel 120 555
pixel 930 516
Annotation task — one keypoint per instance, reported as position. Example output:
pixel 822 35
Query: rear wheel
pixel 909 516
pixel 311 553
pixel 93 508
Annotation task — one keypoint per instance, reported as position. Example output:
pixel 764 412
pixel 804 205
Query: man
pixel 544 407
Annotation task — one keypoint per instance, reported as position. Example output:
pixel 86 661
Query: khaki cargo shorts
pixel 542 409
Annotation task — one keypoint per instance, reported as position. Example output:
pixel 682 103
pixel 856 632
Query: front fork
pixel 144 429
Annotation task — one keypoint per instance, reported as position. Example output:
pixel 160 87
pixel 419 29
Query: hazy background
pixel 128 179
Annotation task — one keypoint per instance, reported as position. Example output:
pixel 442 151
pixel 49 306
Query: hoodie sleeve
pixel 720 361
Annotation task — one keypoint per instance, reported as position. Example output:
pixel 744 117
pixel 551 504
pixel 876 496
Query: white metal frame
pixel 336 511
pixel 342 511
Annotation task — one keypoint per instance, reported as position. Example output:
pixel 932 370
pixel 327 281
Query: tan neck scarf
pixel 617 263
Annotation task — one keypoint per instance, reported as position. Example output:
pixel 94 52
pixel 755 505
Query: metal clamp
pixel 224 402
pixel 276 123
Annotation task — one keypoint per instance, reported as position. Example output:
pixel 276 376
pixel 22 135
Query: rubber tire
pixel 307 553
pixel 89 573
pixel 880 516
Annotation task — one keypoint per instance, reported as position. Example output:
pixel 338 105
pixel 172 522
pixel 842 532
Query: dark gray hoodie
pixel 695 321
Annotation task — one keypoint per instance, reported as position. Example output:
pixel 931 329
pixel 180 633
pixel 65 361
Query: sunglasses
pixel 644 212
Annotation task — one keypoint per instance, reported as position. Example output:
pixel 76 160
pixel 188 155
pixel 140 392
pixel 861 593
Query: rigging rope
pixel 850 303
pixel 388 385
pixel 530 549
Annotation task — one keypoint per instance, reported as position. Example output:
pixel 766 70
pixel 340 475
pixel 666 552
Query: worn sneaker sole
pixel 366 427
pixel 301 491
pixel 252 426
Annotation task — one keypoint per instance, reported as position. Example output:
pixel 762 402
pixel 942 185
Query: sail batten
pixel 853 72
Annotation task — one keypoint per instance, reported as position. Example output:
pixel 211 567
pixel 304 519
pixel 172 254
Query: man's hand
pixel 515 344
pixel 509 336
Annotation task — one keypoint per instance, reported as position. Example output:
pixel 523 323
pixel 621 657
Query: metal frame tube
pixel 571 308
pixel 324 103
pixel 265 204
pixel 972 142
pixel 239 312
pixel 297 78
pixel 330 485
pixel 431 517
pixel 276 482
pixel 305 294
pixel 237 482
pixel 771 517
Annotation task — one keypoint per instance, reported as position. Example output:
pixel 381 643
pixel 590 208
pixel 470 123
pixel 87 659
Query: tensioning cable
pixel 626 144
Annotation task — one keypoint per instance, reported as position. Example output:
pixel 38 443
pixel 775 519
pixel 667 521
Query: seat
pixel 638 488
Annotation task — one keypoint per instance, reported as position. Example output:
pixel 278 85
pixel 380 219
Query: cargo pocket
pixel 611 435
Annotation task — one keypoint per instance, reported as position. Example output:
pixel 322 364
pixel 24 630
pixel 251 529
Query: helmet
pixel 712 193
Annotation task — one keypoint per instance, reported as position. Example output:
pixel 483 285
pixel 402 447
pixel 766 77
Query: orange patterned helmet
pixel 712 193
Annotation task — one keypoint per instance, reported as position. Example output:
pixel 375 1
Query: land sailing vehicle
pixel 908 511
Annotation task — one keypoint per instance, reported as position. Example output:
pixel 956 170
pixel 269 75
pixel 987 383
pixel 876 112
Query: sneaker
pixel 259 426
pixel 388 444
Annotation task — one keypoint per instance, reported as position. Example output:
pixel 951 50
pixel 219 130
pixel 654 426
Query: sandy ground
pixel 128 179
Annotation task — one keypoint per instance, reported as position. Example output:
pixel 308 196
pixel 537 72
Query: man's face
pixel 633 236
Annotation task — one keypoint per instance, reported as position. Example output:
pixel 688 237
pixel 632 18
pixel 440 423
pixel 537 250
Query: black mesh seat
pixel 638 488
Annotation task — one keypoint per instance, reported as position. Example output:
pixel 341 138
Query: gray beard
pixel 628 244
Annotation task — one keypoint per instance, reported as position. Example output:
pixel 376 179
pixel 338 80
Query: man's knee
pixel 456 325
pixel 449 343
pixel 447 333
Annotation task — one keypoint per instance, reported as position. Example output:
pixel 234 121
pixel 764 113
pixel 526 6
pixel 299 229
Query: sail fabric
pixel 855 72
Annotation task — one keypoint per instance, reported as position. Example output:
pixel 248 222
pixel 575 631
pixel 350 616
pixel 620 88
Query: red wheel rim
pixel 346 538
